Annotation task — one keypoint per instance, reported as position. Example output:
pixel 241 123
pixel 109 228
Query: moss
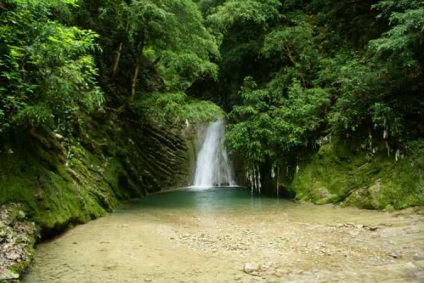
pixel 337 173
pixel 64 181
pixel 35 177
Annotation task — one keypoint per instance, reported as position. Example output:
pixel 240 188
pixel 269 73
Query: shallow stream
pixel 226 235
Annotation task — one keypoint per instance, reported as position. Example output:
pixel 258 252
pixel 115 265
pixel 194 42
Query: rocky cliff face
pixel 53 181
pixel 113 157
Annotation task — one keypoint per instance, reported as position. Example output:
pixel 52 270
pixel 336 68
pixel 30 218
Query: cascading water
pixel 213 168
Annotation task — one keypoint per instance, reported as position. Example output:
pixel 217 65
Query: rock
pixel 8 275
pixel 250 267
pixel 13 255
pixel 254 273
pixel 393 255
pixel 277 274
pixel 411 266
pixel 21 214
pixel 267 265
pixel 419 257
pixel 371 228
pixel 147 280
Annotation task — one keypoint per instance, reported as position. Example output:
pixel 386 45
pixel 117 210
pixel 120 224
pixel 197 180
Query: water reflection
pixel 218 199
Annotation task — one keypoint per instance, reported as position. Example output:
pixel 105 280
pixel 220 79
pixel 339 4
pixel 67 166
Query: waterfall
pixel 213 168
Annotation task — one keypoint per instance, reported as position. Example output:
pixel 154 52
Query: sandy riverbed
pixel 282 242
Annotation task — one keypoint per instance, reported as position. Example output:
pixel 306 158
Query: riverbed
pixel 226 235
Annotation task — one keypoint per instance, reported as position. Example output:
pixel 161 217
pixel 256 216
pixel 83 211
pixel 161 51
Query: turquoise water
pixel 207 200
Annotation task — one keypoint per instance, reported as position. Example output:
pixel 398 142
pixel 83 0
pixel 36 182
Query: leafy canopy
pixel 47 70
pixel 168 32
pixel 176 109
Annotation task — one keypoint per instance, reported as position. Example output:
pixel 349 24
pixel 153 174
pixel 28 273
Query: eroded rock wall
pixel 112 157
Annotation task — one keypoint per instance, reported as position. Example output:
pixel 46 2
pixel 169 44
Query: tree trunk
pixel 134 80
pixel 117 59
pixel 138 64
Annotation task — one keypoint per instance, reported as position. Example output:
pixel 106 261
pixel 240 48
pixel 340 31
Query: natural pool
pixel 226 235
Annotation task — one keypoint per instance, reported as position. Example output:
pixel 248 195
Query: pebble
pixel 267 265
pixel 393 255
pixel 238 277
pixel 277 274
pixel 250 267
pixel 254 273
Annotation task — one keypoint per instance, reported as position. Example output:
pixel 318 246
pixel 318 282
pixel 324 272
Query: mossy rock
pixel 55 194
pixel 339 174
pixel 81 178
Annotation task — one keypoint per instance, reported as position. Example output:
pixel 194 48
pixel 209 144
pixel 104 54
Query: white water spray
pixel 213 168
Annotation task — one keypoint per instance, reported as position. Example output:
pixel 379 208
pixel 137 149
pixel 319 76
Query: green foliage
pixel 245 21
pixel 174 109
pixel 284 112
pixel 252 133
pixel 293 45
pixel 306 71
pixel 293 42
pixel 171 31
pixel 236 11
pixel 359 89
pixel 269 124
pixel 344 24
pixel 181 70
pixel 403 43
pixel 47 69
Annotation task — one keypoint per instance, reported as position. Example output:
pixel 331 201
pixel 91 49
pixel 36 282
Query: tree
pixel 240 27
pixel 47 70
pixel 168 33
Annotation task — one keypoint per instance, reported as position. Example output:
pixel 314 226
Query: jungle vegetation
pixel 289 73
